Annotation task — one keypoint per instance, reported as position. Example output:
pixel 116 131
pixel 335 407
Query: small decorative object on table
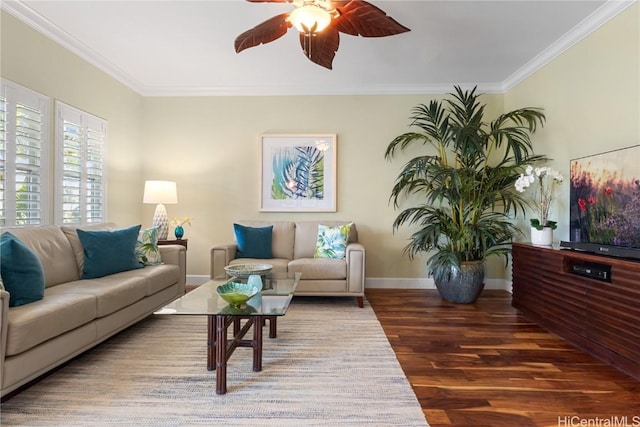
pixel 541 227
pixel 246 270
pixel 237 294
pixel 255 280
pixel 178 223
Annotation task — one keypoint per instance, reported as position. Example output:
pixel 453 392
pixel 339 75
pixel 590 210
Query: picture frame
pixel 298 172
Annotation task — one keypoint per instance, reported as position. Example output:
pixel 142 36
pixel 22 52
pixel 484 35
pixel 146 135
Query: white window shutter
pixel 24 156
pixel 81 141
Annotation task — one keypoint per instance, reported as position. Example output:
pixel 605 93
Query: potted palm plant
pixel 464 187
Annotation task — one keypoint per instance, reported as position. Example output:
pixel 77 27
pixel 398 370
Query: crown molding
pixel 39 23
pixel 591 23
pixel 283 90
pixel 31 18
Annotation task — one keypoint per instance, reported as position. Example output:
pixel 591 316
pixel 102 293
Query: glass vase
pixel 178 232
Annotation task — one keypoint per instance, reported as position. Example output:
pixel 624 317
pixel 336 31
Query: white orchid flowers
pixel 546 178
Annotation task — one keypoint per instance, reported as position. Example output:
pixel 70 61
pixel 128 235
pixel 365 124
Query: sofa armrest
pixel 355 257
pixel 4 329
pixel 176 255
pixel 221 256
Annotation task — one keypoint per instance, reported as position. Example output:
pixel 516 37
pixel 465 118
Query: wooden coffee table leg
pixel 218 350
pixel 273 326
pixel 257 344
pixel 221 355
pixel 211 343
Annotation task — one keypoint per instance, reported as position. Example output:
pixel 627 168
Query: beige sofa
pixel 293 245
pixel 75 314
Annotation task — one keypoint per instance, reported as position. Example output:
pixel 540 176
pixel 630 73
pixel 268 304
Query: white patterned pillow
pixel 147 250
pixel 332 241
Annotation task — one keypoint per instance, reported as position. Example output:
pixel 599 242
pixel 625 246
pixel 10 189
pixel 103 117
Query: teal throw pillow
pixel 21 271
pixel 253 242
pixel 332 241
pixel 147 250
pixel 109 252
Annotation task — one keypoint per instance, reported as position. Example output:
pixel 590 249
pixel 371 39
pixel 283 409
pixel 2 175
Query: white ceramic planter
pixel 542 237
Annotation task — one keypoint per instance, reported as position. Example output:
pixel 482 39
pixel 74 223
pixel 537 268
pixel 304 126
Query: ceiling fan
pixel 319 23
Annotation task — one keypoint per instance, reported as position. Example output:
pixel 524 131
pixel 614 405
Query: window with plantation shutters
pixel 81 140
pixel 24 156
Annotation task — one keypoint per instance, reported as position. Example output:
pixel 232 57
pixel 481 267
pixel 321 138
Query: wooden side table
pixel 182 242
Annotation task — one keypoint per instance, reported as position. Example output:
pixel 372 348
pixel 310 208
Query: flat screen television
pixel 604 202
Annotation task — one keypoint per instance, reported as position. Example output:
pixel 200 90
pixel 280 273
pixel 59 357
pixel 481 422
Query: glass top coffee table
pixel 271 302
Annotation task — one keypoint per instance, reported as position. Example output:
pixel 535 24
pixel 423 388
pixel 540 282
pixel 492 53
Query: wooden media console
pixel 589 300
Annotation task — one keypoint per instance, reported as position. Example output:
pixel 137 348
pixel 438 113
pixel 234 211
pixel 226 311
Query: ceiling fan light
pixel 310 18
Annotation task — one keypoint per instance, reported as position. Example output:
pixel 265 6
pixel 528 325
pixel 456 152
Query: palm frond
pixel 403 141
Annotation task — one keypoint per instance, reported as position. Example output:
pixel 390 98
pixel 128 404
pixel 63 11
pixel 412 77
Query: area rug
pixel 331 364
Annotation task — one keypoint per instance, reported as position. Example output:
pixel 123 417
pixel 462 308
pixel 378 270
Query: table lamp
pixel 161 193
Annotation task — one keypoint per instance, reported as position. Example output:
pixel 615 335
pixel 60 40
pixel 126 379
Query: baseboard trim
pixel 422 283
pixel 388 283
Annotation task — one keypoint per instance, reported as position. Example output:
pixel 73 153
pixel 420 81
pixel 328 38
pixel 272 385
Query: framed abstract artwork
pixel 298 173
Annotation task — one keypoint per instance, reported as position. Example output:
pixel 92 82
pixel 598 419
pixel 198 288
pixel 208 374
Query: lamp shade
pixel 164 192
pixel 160 192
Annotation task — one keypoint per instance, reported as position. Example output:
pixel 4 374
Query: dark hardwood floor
pixel 486 365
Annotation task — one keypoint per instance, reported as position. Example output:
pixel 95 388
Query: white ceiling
pixel 172 47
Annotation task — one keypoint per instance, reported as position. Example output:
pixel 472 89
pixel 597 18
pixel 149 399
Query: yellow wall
pixel 591 97
pixel 210 145
pixel 32 60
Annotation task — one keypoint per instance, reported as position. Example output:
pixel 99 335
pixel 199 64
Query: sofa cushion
pixel 109 252
pixel 332 241
pixel 253 242
pixel 319 268
pixel 71 232
pixel 283 236
pixel 54 251
pixel 60 311
pixel 159 277
pixel 307 236
pixel 21 271
pixel 112 292
pixel 147 251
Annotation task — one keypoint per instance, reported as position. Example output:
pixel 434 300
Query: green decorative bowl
pixel 237 294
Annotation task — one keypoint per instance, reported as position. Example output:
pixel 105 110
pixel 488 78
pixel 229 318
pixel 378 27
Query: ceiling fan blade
pixel 321 48
pixel 266 32
pixel 360 18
